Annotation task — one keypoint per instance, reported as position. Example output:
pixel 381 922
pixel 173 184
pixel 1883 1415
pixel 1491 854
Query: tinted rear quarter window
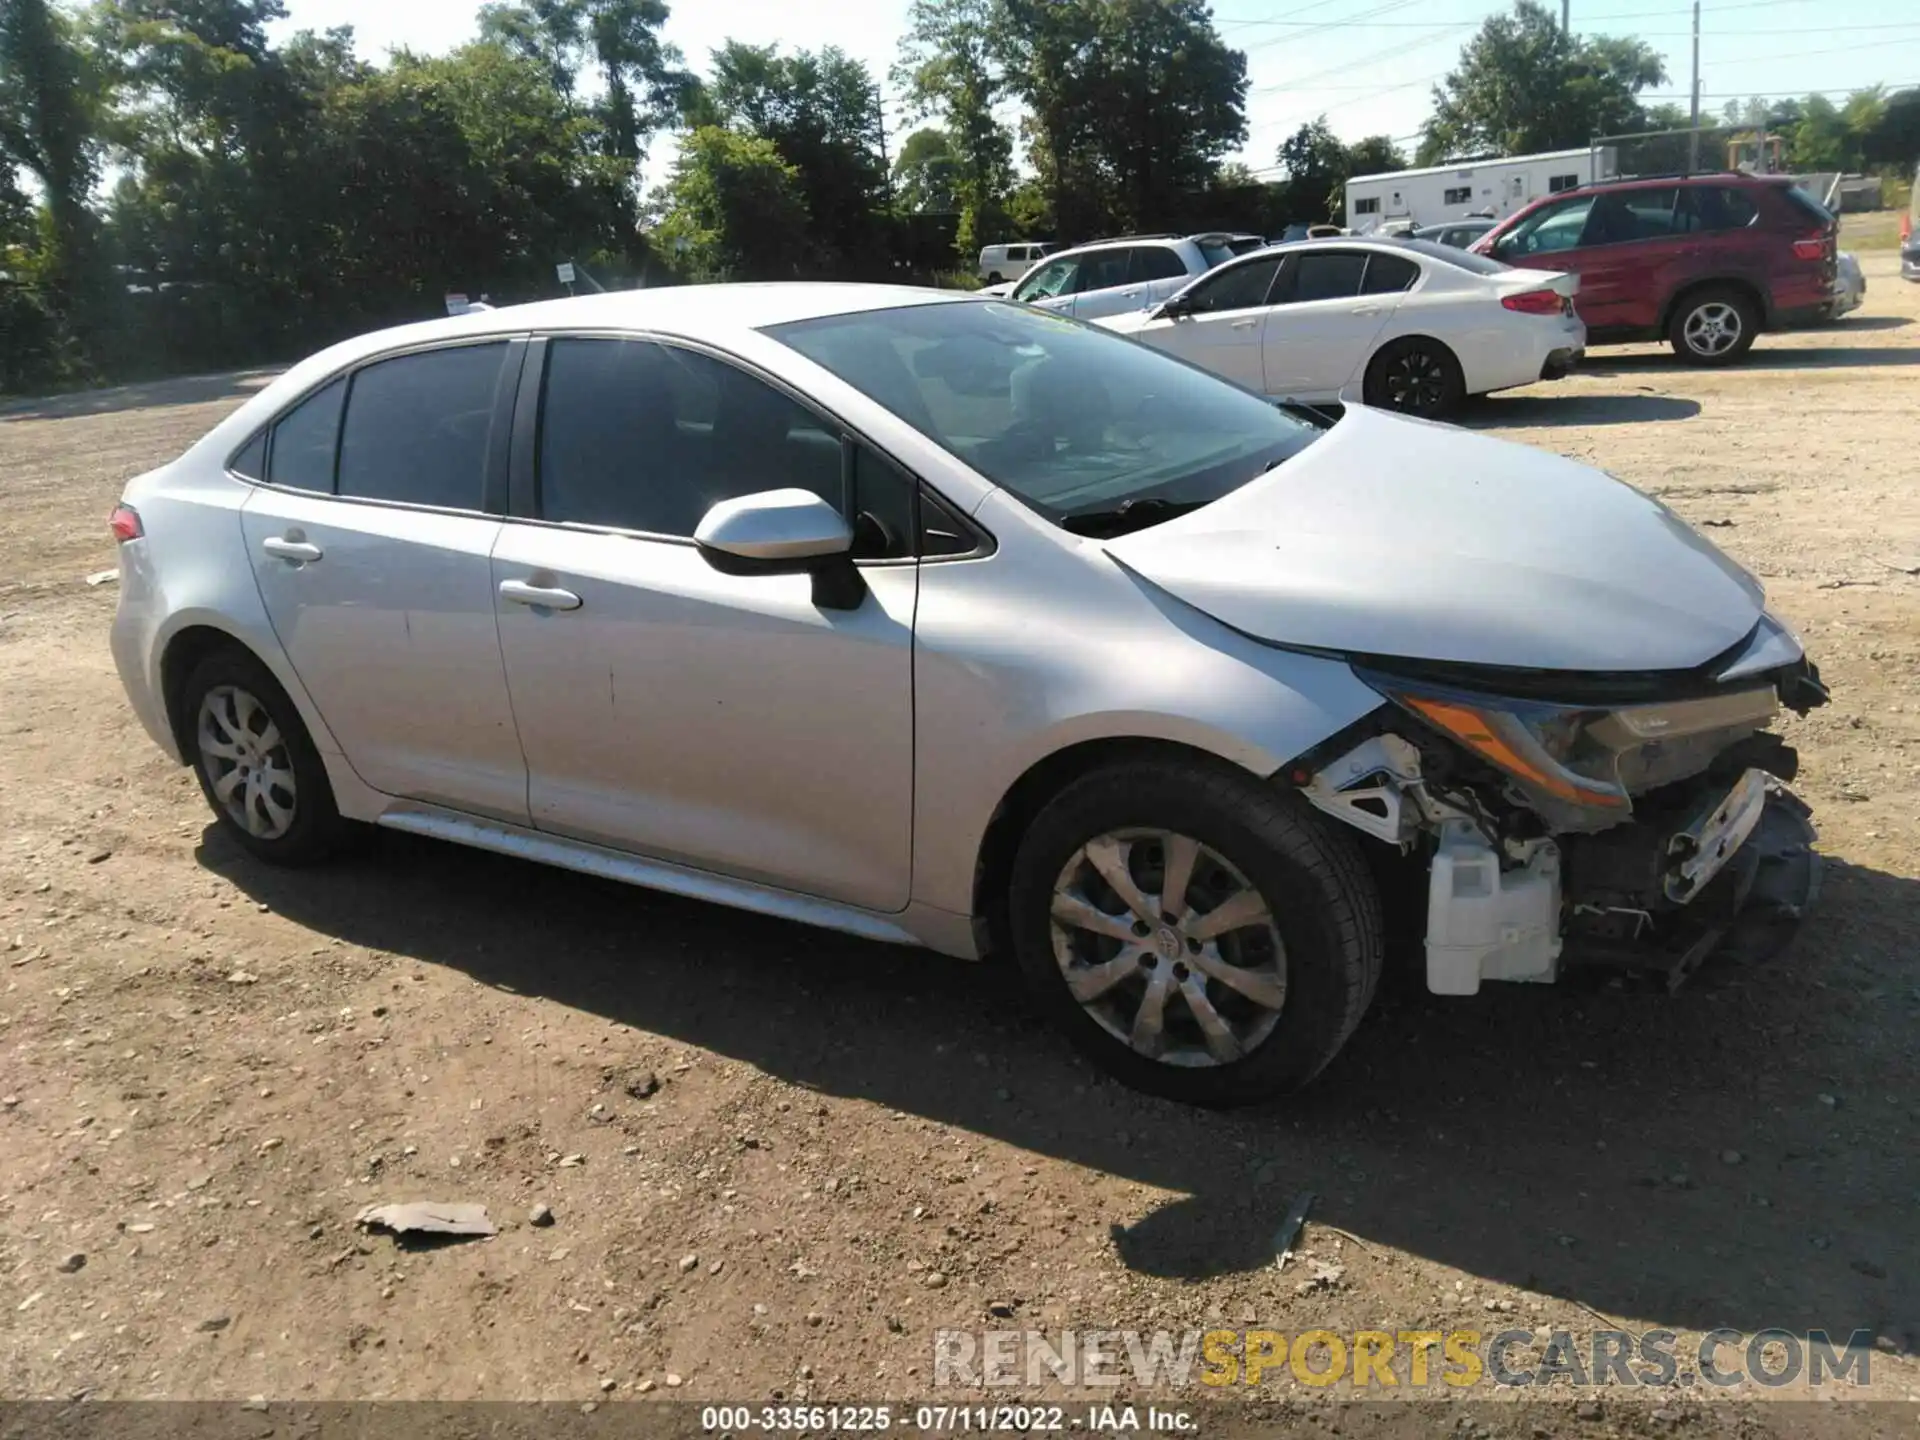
pixel 251 461
pixel 1388 275
pixel 1811 208
pixel 301 453
pixel 416 427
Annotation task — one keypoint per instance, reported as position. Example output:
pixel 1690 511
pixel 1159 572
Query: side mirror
pixel 784 532
pixel 1174 307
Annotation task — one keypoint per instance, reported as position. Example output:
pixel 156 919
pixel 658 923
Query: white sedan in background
pixel 1398 324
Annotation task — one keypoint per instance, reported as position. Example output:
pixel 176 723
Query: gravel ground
pixel 776 1160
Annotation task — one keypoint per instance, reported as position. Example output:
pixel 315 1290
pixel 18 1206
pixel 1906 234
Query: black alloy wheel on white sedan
pixel 1198 933
pixel 1415 376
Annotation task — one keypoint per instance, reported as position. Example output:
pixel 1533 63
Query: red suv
pixel 1707 261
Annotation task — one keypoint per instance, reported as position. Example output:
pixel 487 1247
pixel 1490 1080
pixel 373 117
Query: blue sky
pixel 1368 64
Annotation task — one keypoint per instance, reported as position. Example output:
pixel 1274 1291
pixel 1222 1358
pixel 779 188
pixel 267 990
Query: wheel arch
pixel 1029 795
pixel 194 637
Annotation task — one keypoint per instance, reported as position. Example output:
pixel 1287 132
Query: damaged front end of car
pixel 1636 821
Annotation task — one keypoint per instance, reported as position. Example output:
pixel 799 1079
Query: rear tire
pixel 1415 376
pixel 1247 1008
pixel 256 764
pixel 995 278
pixel 1713 326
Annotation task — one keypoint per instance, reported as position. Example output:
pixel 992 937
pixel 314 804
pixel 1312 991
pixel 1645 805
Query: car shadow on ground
pixel 1870 322
pixel 1669 1158
pixel 1493 412
pixel 1761 357
pixel 189 390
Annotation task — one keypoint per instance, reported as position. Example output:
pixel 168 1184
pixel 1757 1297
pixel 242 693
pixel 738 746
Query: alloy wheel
pixel 1713 329
pixel 1417 383
pixel 1169 947
pixel 245 759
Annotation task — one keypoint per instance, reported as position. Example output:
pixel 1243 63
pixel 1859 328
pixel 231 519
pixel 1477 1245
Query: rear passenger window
pixel 1156 262
pixel 1388 275
pixel 300 455
pixel 1328 275
pixel 640 436
pixel 416 427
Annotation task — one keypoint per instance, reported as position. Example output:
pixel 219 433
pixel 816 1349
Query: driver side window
pixel 1554 227
pixel 1242 287
pixel 1059 277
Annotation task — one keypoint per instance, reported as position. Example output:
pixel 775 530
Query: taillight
pixel 125 523
pixel 1906 228
pixel 1533 302
pixel 1814 247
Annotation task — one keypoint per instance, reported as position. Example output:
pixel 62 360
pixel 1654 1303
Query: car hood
pixel 1396 537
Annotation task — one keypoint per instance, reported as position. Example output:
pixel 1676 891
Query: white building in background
pixel 1481 187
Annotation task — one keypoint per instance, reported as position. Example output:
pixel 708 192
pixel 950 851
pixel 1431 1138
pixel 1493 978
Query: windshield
pixel 1073 420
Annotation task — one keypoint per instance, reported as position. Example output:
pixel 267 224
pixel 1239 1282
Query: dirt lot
pixel 778 1160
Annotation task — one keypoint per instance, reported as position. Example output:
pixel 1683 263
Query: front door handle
pixel 545 596
pixel 296 551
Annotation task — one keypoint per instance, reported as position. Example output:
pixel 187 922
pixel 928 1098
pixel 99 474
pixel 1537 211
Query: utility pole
pixel 886 165
pixel 1693 139
pixel 1566 17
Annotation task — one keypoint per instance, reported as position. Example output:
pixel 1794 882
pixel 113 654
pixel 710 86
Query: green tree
pixel 1524 85
pixel 949 68
pixel 1132 103
pixel 1374 155
pixel 822 113
pixel 733 209
pixel 926 173
pixel 642 82
pixel 1317 166
pixel 50 98
pixel 1823 139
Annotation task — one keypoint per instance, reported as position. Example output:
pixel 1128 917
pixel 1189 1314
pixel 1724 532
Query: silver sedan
pixel 950 622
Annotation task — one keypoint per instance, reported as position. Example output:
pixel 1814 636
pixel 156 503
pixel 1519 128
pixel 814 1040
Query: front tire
pixel 256 764
pixel 1196 932
pixel 1715 326
pixel 1415 376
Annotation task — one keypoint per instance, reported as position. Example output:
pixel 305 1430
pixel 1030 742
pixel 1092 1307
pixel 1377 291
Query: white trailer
pixel 1480 187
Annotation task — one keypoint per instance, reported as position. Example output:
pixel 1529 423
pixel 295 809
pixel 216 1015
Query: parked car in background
pixel 1459 234
pixel 1399 324
pixel 1110 277
pixel 1849 285
pixel 1012 260
pixel 1910 234
pixel 1705 261
pixel 943 621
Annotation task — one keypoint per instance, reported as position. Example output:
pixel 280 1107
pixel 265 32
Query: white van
pixel 1010 262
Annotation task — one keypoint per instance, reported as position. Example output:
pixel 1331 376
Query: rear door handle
pixel 1245 324
pixel 544 596
pixel 1367 310
pixel 297 551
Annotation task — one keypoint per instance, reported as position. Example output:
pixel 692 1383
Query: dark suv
pixel 1706 261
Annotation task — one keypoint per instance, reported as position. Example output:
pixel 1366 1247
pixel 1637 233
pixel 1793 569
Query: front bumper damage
pixel 1708 853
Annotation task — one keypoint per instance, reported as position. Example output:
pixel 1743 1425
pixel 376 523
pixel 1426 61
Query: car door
pixel 1220 322
pixel 370 540
pixel 1105 287
pixel 1319 327
pixel 723 722
pixel 1633 245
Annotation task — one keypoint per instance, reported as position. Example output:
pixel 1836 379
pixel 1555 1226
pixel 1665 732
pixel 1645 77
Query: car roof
pixel 692 311
pixel 1678 177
